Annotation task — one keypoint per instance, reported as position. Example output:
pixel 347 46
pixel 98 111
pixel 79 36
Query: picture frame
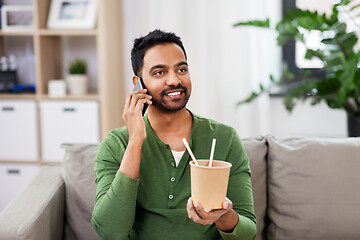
pixel 17 18
pixel 72 14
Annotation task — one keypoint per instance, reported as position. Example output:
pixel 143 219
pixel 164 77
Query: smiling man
pixel 142 170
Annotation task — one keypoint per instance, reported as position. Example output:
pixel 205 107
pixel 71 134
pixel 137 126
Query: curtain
pixel 225 63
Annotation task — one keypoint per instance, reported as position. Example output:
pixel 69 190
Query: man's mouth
pixel 174 93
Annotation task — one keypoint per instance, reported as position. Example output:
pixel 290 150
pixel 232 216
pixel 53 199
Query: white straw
pixel 212 152
pixel 190 152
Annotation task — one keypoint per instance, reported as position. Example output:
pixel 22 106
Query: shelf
pixel 24 33
pixel 67 32
pixel 90 96
pixel 18 96
pixel 52 48
pixel 18 162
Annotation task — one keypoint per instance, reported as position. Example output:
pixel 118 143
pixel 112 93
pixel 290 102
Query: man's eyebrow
pixel 157 66
pixel 164 66
pixel 181 63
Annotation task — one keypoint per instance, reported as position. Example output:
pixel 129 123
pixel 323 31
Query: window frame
pixel 288 53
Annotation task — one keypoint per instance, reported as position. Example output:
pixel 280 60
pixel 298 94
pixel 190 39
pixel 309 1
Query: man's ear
pixel 135 79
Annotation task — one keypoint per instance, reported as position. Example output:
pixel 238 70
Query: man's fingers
pixel 193 215
pixel 141 102
pixel 136 98
pixel 227 204
pixel 190 208
pixel 201 212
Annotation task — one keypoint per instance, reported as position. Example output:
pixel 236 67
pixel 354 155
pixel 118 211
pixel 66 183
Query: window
pixel 294 52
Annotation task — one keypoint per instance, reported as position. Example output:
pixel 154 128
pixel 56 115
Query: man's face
pixel 166 76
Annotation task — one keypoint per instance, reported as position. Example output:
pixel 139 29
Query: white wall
pixel 306 120
pixel 225 63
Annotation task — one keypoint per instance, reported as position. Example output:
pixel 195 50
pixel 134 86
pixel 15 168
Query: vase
pixel 78 84
pixel 353 122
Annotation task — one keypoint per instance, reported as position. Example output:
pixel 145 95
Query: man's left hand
pixel 199 215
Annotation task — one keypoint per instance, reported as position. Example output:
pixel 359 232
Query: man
pixel 142 170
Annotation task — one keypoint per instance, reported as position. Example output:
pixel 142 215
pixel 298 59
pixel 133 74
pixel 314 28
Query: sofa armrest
pixel 38 211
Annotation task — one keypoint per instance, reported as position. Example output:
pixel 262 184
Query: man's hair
pixel 142 44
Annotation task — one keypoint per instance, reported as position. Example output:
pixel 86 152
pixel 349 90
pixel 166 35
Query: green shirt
pixel 154 206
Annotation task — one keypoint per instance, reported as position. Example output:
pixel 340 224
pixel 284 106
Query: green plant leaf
pixel 339 27
pixel 347 76
pixel 327 86
pixel 302 91
pixel 340 88
pixel 333 102
pixel 346 42
pixel 314 53
pixel 288 32
pixel 345 2
pixel 272 79
pixel 78 66
pixel 331 41
pixel 335 59
pixel 256 23
pixel 248 99
pixel 355 7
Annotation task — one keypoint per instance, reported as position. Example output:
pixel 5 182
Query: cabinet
pixel 13 178
pixel 19 131
pixel 100 110
pixel 52 49
pixel 67 121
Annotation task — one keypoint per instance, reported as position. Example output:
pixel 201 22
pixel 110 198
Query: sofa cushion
pixel 256 149
pixel 78 174
pixel 313 186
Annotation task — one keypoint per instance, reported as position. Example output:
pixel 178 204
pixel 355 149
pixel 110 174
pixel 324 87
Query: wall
pixel 306 120
pixel 225 63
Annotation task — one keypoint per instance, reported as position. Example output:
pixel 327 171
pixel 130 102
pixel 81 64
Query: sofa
pixel 303 188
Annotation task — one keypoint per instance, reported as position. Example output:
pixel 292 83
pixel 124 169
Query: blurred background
pixel 41 108
pixel 227 63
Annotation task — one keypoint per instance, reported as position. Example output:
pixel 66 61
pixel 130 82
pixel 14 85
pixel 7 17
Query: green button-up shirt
pixel 154 206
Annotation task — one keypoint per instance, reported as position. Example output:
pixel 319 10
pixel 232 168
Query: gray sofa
pixel 304 188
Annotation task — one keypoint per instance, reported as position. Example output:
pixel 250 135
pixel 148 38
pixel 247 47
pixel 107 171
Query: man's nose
pixel 173 79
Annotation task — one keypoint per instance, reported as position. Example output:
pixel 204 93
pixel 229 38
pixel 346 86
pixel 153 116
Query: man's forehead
pixel 164 54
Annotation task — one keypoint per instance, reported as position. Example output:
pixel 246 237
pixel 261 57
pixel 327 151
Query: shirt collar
pixel 152 135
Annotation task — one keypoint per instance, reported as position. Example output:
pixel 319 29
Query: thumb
pixel 227 204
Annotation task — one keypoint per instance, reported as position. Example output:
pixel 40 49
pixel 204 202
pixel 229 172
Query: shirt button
pixel 172 179
pixel 171 196
pixel 172 164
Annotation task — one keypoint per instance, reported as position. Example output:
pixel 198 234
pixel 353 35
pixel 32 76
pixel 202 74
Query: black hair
pixel 142 44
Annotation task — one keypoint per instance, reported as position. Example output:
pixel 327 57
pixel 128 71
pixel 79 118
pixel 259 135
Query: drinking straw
pixel 190 152
pixel 212 152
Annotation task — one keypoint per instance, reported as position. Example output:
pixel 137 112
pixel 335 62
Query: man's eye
pixel 158 73
pixel 183 70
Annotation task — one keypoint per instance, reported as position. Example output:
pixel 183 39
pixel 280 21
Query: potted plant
pixel 339 86
pixel 77 78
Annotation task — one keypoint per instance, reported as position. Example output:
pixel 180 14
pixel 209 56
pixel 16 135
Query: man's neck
pixel 170 127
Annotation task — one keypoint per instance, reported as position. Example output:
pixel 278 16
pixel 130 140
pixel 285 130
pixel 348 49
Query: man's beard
pixel 162 105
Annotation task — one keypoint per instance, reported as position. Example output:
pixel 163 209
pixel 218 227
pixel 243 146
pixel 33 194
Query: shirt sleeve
pixel 240 192
pixel 116 193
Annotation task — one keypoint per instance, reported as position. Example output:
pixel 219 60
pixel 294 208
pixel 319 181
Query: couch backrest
pixel 78 174
pixel 256 149
pixel 314 188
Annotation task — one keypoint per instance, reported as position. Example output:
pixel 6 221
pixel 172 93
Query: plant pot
pixel 353 122
pixel 78 84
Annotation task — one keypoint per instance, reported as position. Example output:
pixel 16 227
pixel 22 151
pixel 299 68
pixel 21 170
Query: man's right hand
pixel 130 164
pixel 133 117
